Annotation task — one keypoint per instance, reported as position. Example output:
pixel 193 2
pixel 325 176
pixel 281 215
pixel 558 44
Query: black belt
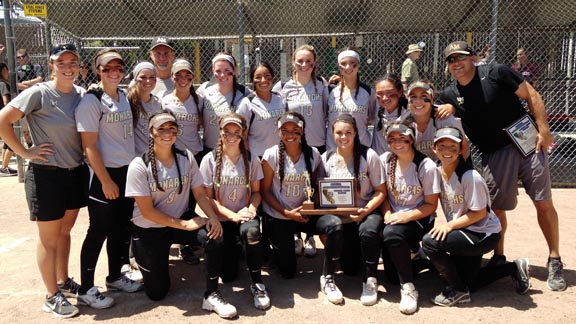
pixel 51 167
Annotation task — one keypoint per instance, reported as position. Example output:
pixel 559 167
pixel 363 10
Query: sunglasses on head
pixel 63 47
pixel 457 58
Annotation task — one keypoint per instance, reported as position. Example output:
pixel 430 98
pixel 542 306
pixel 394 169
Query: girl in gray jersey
pixel 351 159
pixel 262 110
pixel 219 97
pixel 289 168
pixel 183 102
pixel 307 94
pixel 232 179
pixel 420 97
pixel 351 96
pixel 161 182
pixel 142 103
pixel 471 229
pixel 413 183
pixel 105 123
pixel 56 177
pixel 392 107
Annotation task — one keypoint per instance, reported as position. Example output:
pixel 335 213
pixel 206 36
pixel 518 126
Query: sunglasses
pixel 62 47
pixel 21 56
pixel 119 69
pixel 457 58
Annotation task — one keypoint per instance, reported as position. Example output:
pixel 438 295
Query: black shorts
pixel 6 147
pixel 51 191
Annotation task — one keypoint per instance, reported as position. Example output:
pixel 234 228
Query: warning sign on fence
pixel 36 10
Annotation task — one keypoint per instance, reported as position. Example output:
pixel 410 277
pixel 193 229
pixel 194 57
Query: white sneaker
pixel 95 299
pixel 369 295
pixel 132 273
pixel 261 299
pixel 409 301
pixel 329 288
pixel 298 246
pixel 215 302
pixel 310 247
pixel 124 284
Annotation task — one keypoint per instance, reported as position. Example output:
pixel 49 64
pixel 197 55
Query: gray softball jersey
pixel 371 173
pixel 50 116
pixel 425 141
pixel 294 183
pixel 188 117
pixel 261 117
pixel 140 183
pixel 112 120
pixel 312 103
pixel 141 132
pixel 214 106
pixel 163 87
pixel 363 109
pixel 233 182
pixel 471 193
pixel 412 185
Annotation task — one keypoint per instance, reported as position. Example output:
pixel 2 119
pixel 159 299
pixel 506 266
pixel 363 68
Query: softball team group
pixel 137 160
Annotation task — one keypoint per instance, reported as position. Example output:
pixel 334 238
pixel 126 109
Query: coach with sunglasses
pixel 28 74
pixel 488 100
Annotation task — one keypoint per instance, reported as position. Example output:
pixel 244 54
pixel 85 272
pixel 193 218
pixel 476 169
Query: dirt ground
pixel 293 301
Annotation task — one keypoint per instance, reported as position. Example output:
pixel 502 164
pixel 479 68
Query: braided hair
pixel 220 155
pixel 394 163
pixel 394 79
pixel 304 147
pixel 151 157
pixel 359 149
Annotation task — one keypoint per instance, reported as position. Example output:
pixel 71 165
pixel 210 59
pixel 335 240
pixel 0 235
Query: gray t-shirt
pixel 163 87
pixel 371 173
pixel 50 116
pixel 412 185
pixel 425 141
pixel 233 183
pixel 214 106
pixel 140 183
pixel 457 198
pixel 362 108
pixel 188 117
pixel 292 194
pixel 261 117
pixel 112 120
pixel 379 142
pixel 141 132
pixel 312 103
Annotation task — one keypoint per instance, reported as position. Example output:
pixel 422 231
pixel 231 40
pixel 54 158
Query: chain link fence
pixel 382 30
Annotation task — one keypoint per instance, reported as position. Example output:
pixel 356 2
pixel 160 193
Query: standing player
pixel 56 178
pixel 487 98
pixel 351 96
pixel 105 123
pixel 232 177
pixel 472 229
pixel 413 183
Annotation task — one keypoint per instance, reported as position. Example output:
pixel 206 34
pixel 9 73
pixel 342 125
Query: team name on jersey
pixel 339 107
pixel 452 198
pixel 169 183
pixel 233 181
pixel 305 97
pixel 407 189
pixel 269 114
pixel 424 145
pixel 292 177
pixel 219 108
pixel 145 115
pixel 187 117
pixel 117 117
pixel 363 175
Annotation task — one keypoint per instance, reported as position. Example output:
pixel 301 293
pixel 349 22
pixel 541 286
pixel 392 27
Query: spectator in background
pixel 28 74
pixel 162 55
pixel 7 152
pixel 529 70
pixel 409 67
pixel 86 76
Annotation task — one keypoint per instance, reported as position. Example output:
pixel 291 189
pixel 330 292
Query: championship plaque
pixel 335 196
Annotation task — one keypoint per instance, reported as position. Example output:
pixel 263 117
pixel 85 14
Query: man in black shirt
pixel 487 98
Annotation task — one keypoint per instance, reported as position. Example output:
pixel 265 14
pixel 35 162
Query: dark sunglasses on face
pixel 457 58
pixel 21 56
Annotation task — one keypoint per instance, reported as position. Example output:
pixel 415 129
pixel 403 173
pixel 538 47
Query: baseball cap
pixel 157 120
pixel 162 40
pixel 290 118
pixel 57 50
pixel 180 65
pixel 459 47
pixel 413 48
pixel 419 85
pixel 399 128
pixel 108 57
pixel 231 120
pixel 448 132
